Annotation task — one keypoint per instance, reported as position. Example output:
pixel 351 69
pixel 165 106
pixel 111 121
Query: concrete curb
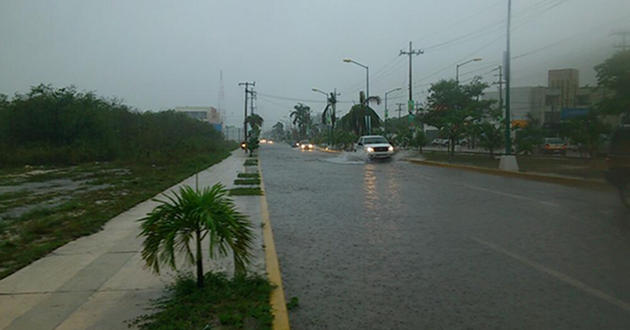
pixel 597 184
pixel 277 300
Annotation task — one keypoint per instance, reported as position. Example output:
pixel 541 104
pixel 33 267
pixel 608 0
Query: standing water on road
pixel 392 245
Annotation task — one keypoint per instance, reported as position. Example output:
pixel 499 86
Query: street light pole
pixel 386 110
pixel 461 64
pixel 508 77
pixel 367 75
pixel 367 88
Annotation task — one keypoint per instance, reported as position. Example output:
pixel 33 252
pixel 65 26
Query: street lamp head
pixel 347 60
pixel 393 90
pixel 477 59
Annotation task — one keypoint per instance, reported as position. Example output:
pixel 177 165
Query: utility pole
pixel 399 108
pixel 500 83
pixel 508 136
pixel 221 99
pixel 246 84
pixel 409 53
pixel 252 98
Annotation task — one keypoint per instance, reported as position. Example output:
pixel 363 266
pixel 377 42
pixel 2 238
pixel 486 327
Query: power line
pixel 295 99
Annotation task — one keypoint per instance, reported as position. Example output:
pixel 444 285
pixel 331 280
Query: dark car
pixel 618 162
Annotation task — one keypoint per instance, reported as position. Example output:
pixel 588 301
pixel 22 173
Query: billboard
pixel 568 113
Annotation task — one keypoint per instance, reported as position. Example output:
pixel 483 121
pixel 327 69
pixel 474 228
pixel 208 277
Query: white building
pixel 207 114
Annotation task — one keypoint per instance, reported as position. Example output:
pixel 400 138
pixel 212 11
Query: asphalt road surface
pixel 394 245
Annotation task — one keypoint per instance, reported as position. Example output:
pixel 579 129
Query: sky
pixel 156 55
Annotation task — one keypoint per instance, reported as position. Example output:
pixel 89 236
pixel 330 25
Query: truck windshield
pixel 374 140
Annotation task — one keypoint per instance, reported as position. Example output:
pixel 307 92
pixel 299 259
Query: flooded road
pixel 393 245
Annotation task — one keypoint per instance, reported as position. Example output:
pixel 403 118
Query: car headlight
pixel 310 146
pixel 390 148
pixel 302 146
pixel 370 149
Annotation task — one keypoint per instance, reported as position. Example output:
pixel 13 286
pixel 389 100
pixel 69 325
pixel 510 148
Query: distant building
pixel 233 133
pixel 567 82
pixel 206 114
pixel 561 100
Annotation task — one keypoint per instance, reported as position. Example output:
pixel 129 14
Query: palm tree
pixel 196 215
pixel 330 107
pixel 255 121
pixel 301 117
pixel 278 131
pixel 355 119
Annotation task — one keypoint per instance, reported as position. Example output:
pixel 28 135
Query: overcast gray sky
pixel 157 55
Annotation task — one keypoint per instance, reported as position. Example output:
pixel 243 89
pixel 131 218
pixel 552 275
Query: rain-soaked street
pixel 393 245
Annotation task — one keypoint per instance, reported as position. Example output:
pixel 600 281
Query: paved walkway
pixel 99 281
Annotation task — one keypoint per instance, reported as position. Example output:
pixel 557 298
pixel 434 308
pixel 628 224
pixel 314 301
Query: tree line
pixel 64 126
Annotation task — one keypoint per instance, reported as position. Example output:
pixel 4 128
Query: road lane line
pixel 278 303
pixel 510 195
pixel 558 275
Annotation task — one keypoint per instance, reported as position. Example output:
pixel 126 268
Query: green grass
pixel 31 236
pixel 245 191
pixel 247 181
pixel 293 303
pixel 248 175
pixel 13 195
pixel 574 167
pixel 251 162
pixel 242 302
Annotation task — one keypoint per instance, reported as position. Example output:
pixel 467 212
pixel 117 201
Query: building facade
pixel 561 100
pixel 205 114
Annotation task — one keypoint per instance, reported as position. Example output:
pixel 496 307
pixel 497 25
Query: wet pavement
pixel 393 245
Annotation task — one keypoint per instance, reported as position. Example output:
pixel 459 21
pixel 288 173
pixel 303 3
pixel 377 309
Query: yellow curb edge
pixel 277 300
pixel 531 176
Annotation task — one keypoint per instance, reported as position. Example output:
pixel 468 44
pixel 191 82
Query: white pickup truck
pixel 374 146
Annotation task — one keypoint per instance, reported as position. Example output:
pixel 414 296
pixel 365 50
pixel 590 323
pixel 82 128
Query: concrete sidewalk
pixel 99 281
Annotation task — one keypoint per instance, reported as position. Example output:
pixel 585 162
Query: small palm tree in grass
pixel 196 215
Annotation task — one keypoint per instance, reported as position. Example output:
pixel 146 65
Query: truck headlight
pixel 390 148
pixel 370 149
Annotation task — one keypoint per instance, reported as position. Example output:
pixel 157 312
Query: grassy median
pixel 573 167
pixel 241 302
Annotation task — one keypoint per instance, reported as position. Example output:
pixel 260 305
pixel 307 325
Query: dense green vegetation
pixel 65 126
pixel 240 302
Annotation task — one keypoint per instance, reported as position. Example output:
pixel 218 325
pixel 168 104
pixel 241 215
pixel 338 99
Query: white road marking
pixel 559 276
pixel 510 195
